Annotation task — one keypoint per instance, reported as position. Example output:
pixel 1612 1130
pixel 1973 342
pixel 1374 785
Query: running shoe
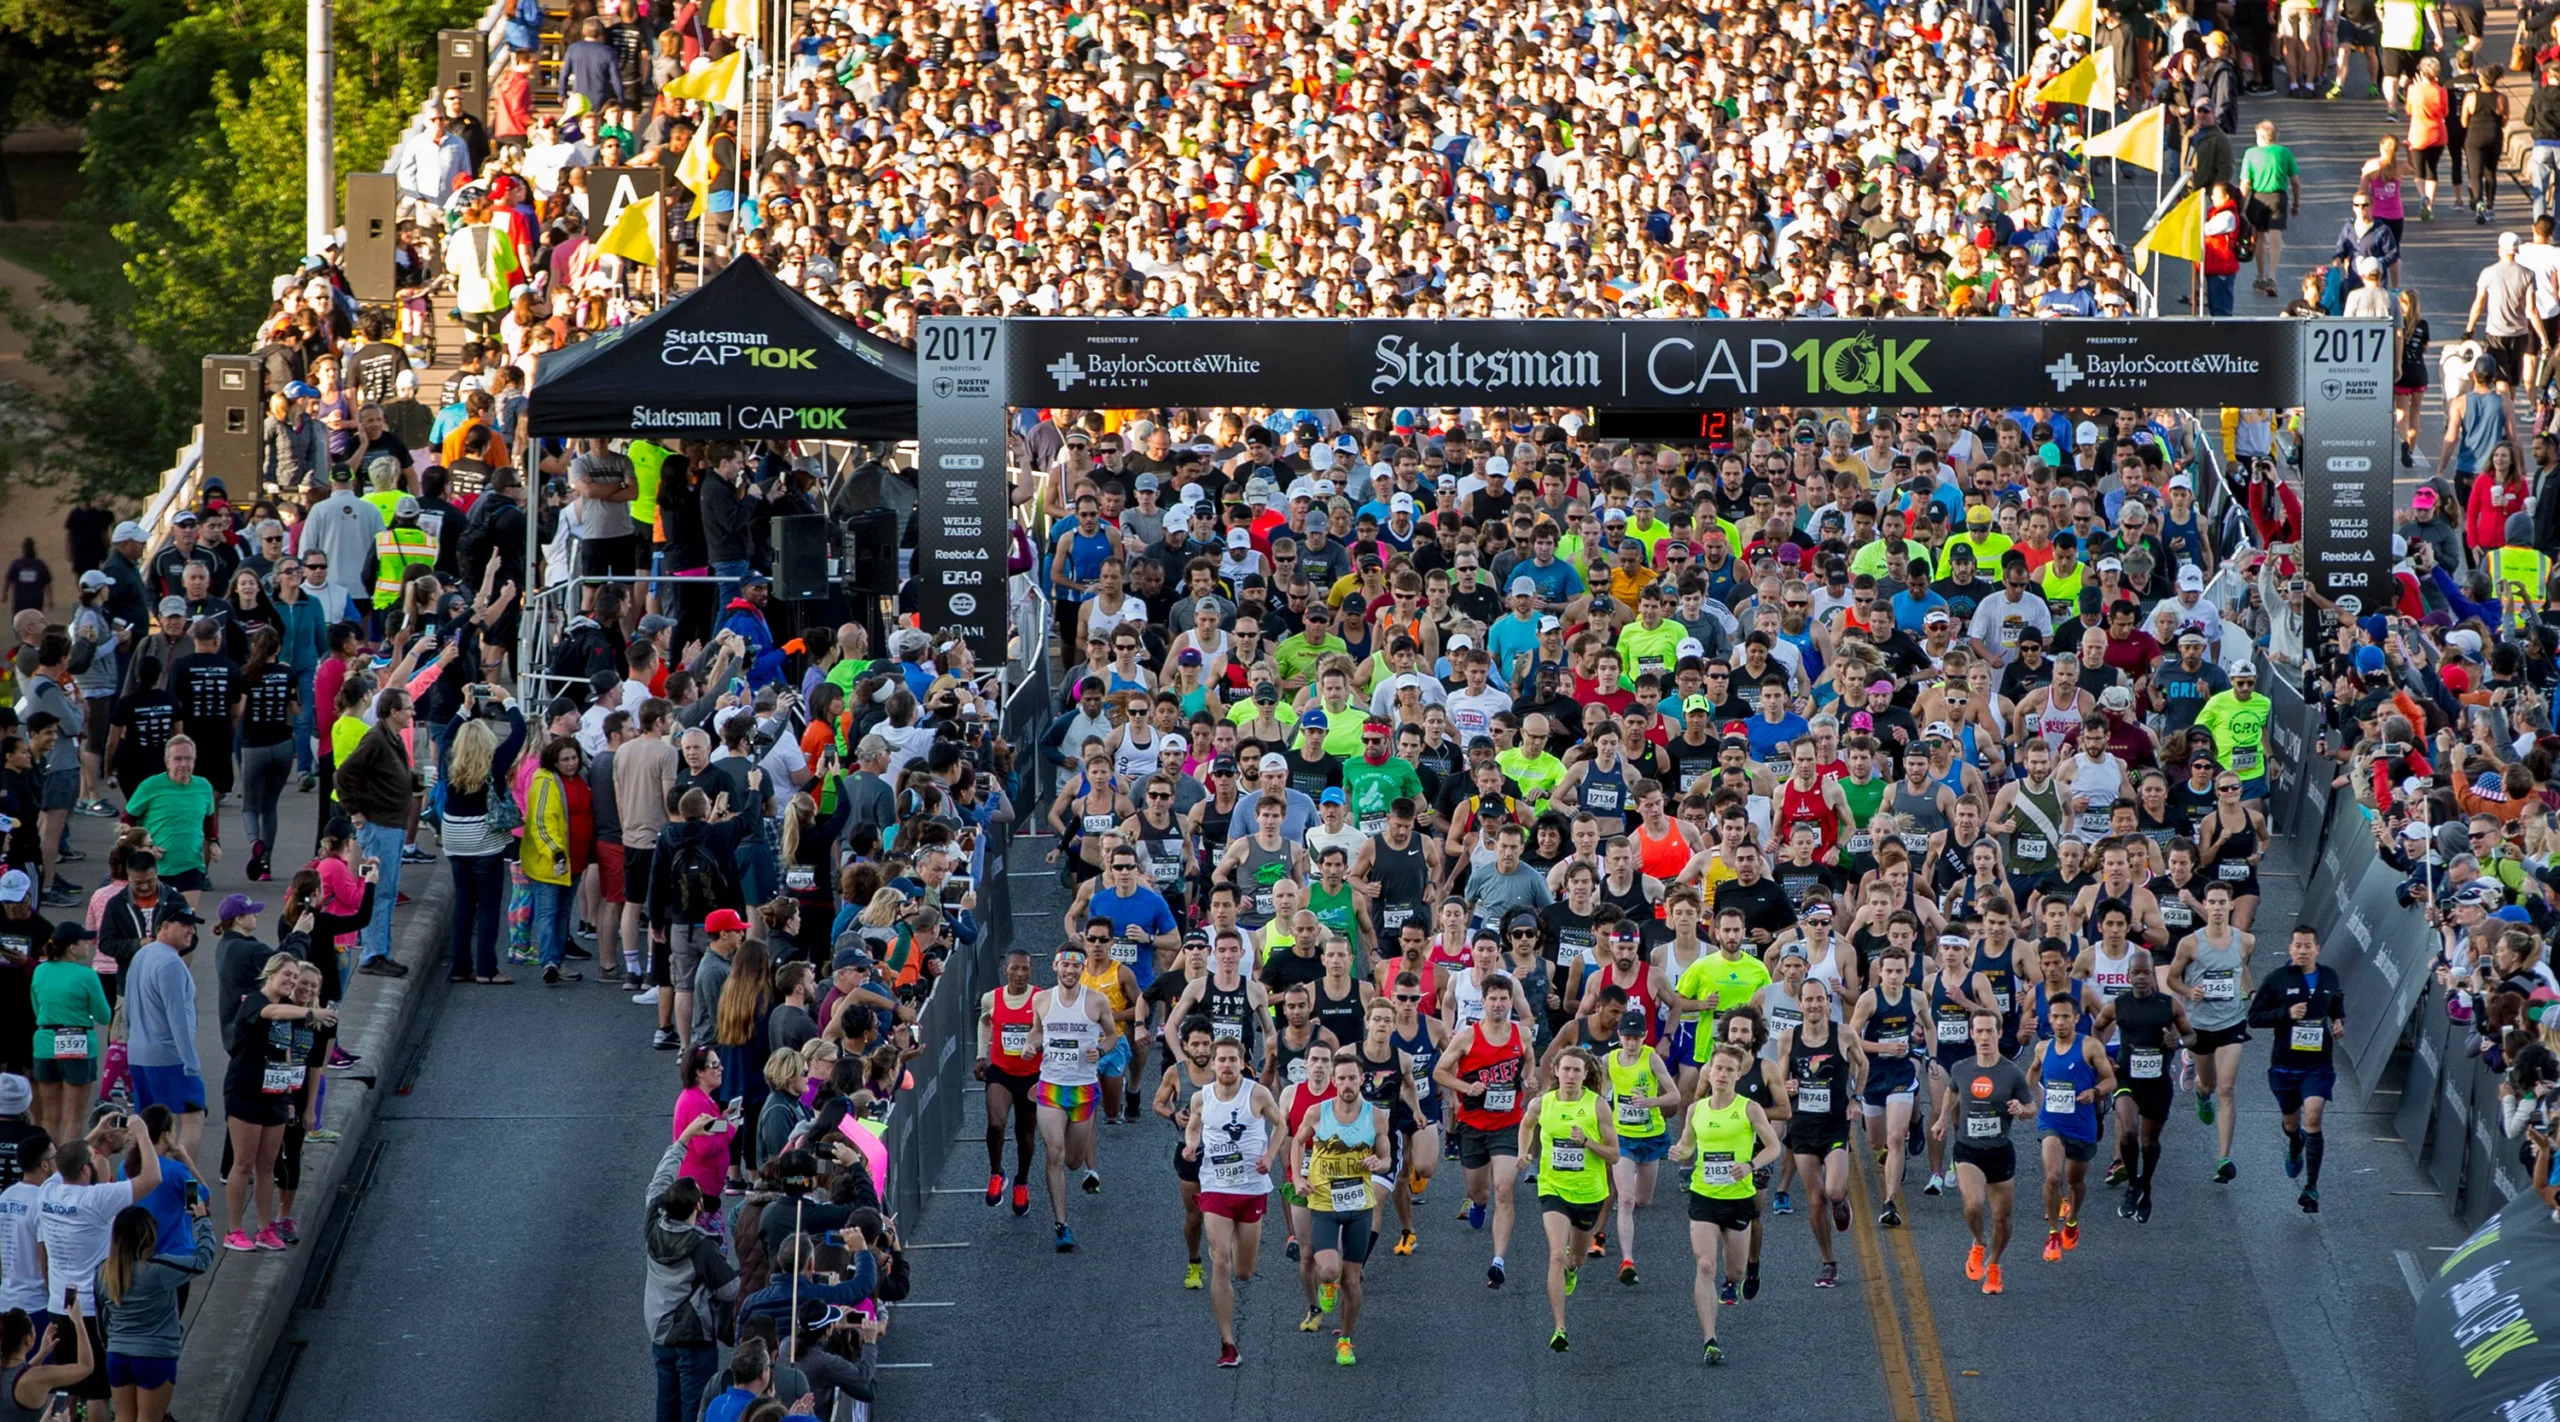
pixel 1780 1204
pixel 2292 1156
pixel 2224 1172
pixel 239 1242
pixel 269 1239
pixel 1750 1281
pixel 664 1039
pixel 2119 1172
pixel 321 1135
pixel 1572 1281
pixel 100 809
pixel 412 854
pixel 1715 1354
pixel 2142 1210
pixel 1191 1276
pixel 340 1059
pixel 1313 1321
pixel 1727 1294
pixel 1937 1185
pixel 1227 1357
pixel 1627 1272
pixel 2053 1246
pixel 1474 1216
pixel 1292 1250
pixel 995 1190
pixel 1327 1295
pixel 1559 1342
pixel 647 997
pixel 1342 1354
pixel 1599 1246
pixel 1092 1183
pixel 2204 1108
pixel 2070 1229
pixel 1889 1217
pixel 1991 1279
pixel 1493 1275
pixel 2309 1200
pixel 2124 1207
pixel 1828 1277
pixel 59 896
pixel 1404 1243
pixel 1973 1262
pixel 1840 1216
pixel 1064 1237
pixel 285 1229
pixel 1021 1199
pixel 1414 1182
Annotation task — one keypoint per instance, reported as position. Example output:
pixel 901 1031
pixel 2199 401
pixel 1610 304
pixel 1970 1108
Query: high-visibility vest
pixel 395 550
pixel 2518 577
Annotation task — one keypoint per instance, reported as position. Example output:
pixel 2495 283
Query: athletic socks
pixel 2314 1146
pixel 2146 1159
pixel 995 1149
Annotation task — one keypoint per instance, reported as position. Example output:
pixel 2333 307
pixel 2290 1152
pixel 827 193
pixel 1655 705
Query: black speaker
pixel 800 557
pixel 373 222
pixel 871 551
pixel 235 412
pixel 462 64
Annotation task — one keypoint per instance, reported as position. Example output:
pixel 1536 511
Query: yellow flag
pixel 742 17
pixel 2074 85
pixel 722 82
pixel 2141 140
pixel 2180 234
pixel 694 171
pixel 2074 17
pixel 634 236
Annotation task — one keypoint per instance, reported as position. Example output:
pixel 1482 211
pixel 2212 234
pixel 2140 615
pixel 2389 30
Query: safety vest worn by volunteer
pixel 396 549
pixel 2518 577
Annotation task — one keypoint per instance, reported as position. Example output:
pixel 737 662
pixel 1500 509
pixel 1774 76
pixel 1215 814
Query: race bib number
pixel 2000 999
pixel 1349 1196
pixel 2232 872
pixel 1097 824
pixel 70 1041
pixel 1814 1099
pixel 2176 914
pixel 1860 842
pixel 2244 760
pixel 1014 1039
pixel 1916 843
pixel 1371 824
pixel 2034 846
pixel 1981 1128
pixel 1501 1098
pixel 1124 951
pixel 2061 1098
pixel 800 878
pixel 1394 916
pixel 1223 1030
pixel 1066 1048
pixel 2094 823
pixel 1894 1039
pixel 2221 986
pixel 1633 1112
pixel 278 1080
pixel 1718 1167
pixel 1226 1167
pixel 1954 1029
pixel 1566 1158
pixel 2308 1036
pixel 1783 1016
pixel 2143 1064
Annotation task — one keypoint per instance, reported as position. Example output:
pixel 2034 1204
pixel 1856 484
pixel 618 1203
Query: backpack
pixel 701 885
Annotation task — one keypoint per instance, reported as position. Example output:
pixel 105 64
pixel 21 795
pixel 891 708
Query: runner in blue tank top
pixel 2069 1076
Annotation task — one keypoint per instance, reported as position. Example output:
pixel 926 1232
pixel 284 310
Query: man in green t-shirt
pixel 2270 195
pixel 1296 655
pixel 176 809
pixel 2237 718
pixel 1374 780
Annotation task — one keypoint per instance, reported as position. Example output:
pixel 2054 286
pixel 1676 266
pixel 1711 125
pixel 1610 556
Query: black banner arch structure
pixel 972 372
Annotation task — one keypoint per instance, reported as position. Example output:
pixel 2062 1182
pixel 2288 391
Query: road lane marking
pixel 1924 1328
pixel 1899 1391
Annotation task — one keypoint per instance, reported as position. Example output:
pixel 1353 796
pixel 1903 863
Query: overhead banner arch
pixel 972 371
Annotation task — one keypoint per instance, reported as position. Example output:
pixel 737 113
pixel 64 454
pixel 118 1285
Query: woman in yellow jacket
pixel 559 837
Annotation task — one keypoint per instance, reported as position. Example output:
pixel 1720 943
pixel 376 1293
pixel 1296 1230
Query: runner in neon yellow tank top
pixel 1575 1143
pixel 1641 1086
pixel 1731 1139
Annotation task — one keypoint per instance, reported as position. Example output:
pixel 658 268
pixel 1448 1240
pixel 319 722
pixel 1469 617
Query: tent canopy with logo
pixel 740 357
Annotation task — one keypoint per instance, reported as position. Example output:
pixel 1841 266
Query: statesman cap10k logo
pixel 721 347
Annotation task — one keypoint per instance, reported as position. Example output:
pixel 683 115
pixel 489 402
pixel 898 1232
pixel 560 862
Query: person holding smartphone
pixel 26 1354
pixel 77 1211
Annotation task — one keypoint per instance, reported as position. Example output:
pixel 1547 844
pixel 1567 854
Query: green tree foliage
pixel 194 158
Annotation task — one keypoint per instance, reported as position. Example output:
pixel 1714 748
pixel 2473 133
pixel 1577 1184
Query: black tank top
pixel 1819 1065
pixel 1342 1016
pixel 1382 1084
pixel 1629 900
pixel 1399 877
pixel 1288 1063
pixel 1230 1011
pixel 2143 1035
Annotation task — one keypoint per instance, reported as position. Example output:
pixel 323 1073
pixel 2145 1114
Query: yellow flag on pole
pixel 694 171
pixel 723 82
pixel 741 17
pixel 2074 85
pixel 2180 234
pixel 2142 140
pixel 634 236
pixel 2074 17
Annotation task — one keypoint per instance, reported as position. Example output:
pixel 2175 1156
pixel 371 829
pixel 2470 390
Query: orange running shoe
pixel 2053 1246
pixel 1973 1264
pixel 1991 1280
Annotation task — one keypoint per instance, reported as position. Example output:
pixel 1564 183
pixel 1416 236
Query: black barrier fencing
pixel 2416 1118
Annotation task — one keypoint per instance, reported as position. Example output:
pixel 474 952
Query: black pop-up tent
pixel 2488 1329
pixel 740 357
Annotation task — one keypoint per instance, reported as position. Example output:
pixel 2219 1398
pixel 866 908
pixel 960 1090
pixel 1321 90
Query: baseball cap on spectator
pixel 1702 704
pixel 1523 587
pixel 1936 617
pixel 1238 539
pixel 724 921
pixel 2370 661
pixel 1332 796
pixel 16 887
pixel 1312 719
pixel 2116 698
pixel 296 390
pixel 173 607
pixel 96 579
pixel 1265 693
pixel 2190 578
pixel 849 954
pixel 1190 657
pixel 2425 498
pixel 655 623
pixel 129 532
pixel 17 1094
pixel 1790 554
pixel 1689 647
pixel 1497 468
pixel 239 906
pixel 1147 484
pixel 183 518
pixel 1939 731
pixel 1550 623
pixel 1273 760
pixel 1223 765
pixel 1461 643
pixel 2463 641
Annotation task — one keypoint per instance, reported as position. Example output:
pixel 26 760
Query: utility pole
pixel 319 130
